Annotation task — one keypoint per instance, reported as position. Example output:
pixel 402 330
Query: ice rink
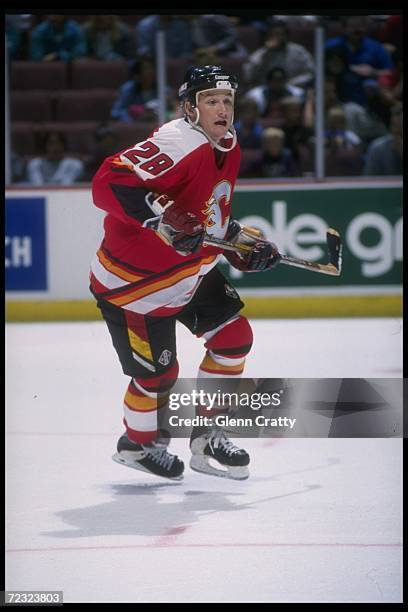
pixel 319 520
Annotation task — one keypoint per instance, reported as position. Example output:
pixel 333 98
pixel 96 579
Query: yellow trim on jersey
pixel 160 284
pixel 140 346
pixel 114 269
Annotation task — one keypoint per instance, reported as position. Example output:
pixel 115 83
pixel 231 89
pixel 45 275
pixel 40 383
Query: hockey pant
pixel 146 347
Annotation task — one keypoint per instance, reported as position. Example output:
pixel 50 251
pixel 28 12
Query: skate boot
pixel 227 460
pixel 152 458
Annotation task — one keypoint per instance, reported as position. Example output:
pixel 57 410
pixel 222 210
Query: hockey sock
pixel 144 396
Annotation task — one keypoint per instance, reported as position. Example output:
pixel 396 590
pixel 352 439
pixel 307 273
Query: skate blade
pixel 199 463
pixel 135 465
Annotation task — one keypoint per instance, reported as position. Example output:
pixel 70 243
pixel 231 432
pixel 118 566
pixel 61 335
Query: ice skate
pixel 151 458
pixel 213 453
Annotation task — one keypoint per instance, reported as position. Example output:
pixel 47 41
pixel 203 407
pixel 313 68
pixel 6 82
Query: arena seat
pixel 84 104
pixel 250 163
pixel 80 136
pixel 23 139
pixel 94 74
pixel 38 75
pixel 343 163
pixel 249 37
pixel 32 106
pixel 129 134
pixel 303 35
pixel 176 67
pixel 233 65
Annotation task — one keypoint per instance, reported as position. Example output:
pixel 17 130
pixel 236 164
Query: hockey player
pixel 152 268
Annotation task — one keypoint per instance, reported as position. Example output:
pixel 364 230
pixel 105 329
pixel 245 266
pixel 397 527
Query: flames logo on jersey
pixel 216 209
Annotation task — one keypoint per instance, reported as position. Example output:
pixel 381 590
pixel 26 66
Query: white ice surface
pixel 319 520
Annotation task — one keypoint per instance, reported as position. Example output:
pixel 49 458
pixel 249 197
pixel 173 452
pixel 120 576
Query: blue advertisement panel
pixel 25 244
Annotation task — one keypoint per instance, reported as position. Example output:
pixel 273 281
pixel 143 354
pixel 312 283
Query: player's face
pixel 216 110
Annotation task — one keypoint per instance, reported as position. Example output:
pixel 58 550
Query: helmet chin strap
pixel 195 125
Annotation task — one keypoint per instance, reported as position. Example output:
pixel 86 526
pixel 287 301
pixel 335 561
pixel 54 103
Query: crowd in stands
pixel 83 87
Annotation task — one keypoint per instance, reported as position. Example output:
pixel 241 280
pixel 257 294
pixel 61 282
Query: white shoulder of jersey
pixel 175 140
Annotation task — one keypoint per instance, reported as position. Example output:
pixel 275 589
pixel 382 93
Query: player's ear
pixel 190 110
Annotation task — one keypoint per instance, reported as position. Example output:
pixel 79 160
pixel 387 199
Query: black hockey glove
pixel 183 230
pixel 263 256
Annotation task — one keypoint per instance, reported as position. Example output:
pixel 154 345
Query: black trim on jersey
pixel 122 263
pixel 219 158
pixel 132 200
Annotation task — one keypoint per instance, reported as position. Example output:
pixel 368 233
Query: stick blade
pixel 335 248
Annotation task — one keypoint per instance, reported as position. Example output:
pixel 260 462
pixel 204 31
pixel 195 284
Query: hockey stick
pixel 334 248
pixel 333 241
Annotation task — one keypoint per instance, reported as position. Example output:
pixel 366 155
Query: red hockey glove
pixel 183 230
pixel 263 256
pixel 233 230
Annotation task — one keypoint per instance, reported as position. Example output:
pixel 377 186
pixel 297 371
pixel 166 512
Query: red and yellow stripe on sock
pixel 214 365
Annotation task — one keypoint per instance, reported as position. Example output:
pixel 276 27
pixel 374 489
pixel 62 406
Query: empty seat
pixel 80 136
pixel 343 163
pixel 38 75
pixel 22 135
pixel 176 68
pixel 85 104
pixel 31 106
pixel 94 74
pixel 130 134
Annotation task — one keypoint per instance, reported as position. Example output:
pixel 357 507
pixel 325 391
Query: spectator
pixel 216 35
pixel 53 166
pixel 277 161
pixel 13 39
pixel 177 35
pixel 107 38
pixel 269 95
pixel 204 57
pixel 104 145
pixel 343 154
pixel 57 38
pixel 384 155
pixel 17 167
pixel 379 101
pixel 336 68
pixel 137 99
pixel 362 121
pixel 391 35
pixel 249 130
pixel 297 134
pixel 364 58
pixel 278 51
pixel 17 28
pixel 337 135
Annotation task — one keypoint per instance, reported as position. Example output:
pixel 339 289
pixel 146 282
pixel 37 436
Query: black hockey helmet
pixel 201 78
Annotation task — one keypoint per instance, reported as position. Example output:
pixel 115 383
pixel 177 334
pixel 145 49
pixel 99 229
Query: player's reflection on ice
pixel 154 509
pixel 167 509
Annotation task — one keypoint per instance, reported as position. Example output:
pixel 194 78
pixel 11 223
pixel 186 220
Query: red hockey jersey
pixel 134 268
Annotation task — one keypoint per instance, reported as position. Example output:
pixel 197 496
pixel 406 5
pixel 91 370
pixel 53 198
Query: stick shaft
pixel 329 269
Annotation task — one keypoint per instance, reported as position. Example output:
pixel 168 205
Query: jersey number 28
pixel 157 162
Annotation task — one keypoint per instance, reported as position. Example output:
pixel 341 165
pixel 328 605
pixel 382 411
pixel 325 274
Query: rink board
pixel 52 236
